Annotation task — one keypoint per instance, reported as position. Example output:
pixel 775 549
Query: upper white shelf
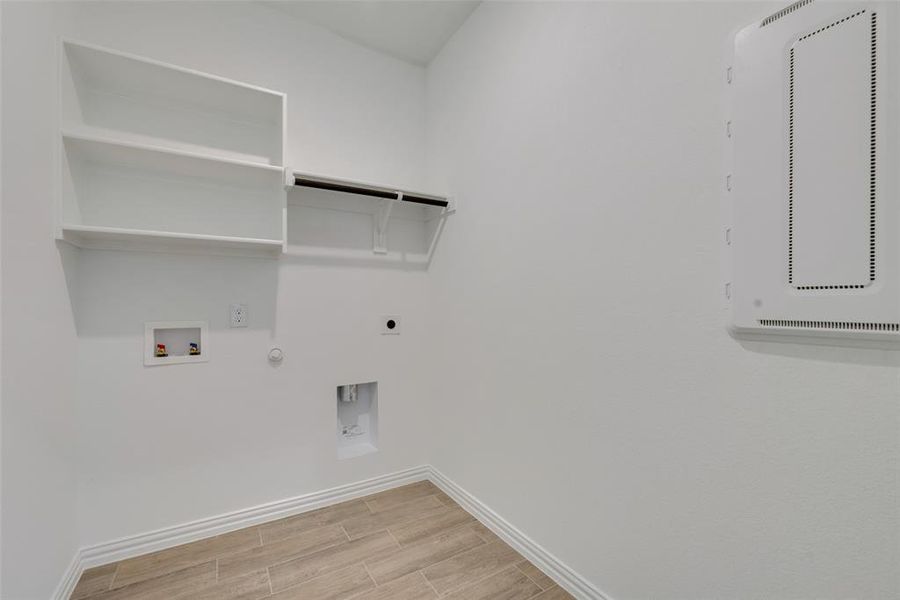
pixel 158 157
pixel 164 105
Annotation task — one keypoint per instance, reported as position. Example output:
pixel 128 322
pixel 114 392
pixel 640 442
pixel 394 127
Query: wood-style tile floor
pixel 409 543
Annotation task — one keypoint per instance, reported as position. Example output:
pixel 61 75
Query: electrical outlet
pixel 390 325
pixel 239 315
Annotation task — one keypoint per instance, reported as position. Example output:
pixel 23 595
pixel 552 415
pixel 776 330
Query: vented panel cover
pixel 812 196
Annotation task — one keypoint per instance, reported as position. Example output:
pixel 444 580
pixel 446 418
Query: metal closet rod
pixel 364 191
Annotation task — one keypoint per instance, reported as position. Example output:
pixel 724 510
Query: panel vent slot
pixel 784 12
pixel 793 70
pixel 830 325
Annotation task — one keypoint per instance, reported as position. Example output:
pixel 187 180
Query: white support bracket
pixel 381 223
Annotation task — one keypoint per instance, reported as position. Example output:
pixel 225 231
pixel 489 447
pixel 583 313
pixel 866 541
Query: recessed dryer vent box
pixel 357 419
pixel 811 178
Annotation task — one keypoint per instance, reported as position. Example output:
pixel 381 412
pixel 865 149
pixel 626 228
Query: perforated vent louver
pixel 831 325
pixel 872 93
pixel 784 11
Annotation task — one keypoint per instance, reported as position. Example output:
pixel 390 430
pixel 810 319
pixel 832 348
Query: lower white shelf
pixel 121 195
pixel 114 238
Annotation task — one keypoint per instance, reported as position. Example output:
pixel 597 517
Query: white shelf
pixel 333 219
pixel 160 158
pixel 87 236
pixel 179 108
pixel 123 150
pixel 113 186
pixel 358 187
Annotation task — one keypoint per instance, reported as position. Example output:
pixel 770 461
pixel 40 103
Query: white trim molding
pixel 70 579
pixel 129 547
pixel 554 568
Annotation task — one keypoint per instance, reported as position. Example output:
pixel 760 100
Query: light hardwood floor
pixel 408 543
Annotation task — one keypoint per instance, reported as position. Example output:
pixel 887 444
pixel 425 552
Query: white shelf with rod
pixel 352 220
pixel 158 157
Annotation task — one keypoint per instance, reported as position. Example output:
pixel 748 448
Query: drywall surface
pixel 166 445
pixel 162 446
pixel 39 343
pixel 595 399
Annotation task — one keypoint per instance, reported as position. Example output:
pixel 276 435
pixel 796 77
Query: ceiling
pixel 411 30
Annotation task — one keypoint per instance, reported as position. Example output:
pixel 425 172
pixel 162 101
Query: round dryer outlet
pixel 390 325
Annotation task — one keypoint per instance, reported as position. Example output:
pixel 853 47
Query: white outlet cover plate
pixel 238 315
pixel 385 329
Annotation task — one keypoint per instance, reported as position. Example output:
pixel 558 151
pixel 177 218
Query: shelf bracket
pixel 381 223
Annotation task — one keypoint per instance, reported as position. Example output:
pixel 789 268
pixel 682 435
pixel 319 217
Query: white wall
pixel 1 306
pixel 39 342
pixel 162 446
pixel 568 339
pixel 167 445
pixel 595 399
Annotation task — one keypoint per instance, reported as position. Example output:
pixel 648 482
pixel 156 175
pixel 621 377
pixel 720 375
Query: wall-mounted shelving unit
pixel 348 219
pixel 157 157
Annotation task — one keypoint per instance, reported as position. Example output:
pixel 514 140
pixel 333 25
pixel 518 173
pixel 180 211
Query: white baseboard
pixel 70 579
pixel 567 579
pixel 168 537
pixel 129 547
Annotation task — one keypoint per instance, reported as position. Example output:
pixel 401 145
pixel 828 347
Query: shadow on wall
pixel 825 353
pixel 114 292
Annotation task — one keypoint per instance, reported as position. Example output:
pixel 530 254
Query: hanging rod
pixel 362 190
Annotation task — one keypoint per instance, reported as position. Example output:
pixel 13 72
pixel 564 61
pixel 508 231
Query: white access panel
pixel 811 181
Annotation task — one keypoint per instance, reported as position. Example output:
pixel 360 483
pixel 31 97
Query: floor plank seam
pixel 469 584
pixel 393 537
pixel 451 556
pixel 531 579
pixel 112 581
pixel 420 572
pixel 369 573
pixel 365 564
